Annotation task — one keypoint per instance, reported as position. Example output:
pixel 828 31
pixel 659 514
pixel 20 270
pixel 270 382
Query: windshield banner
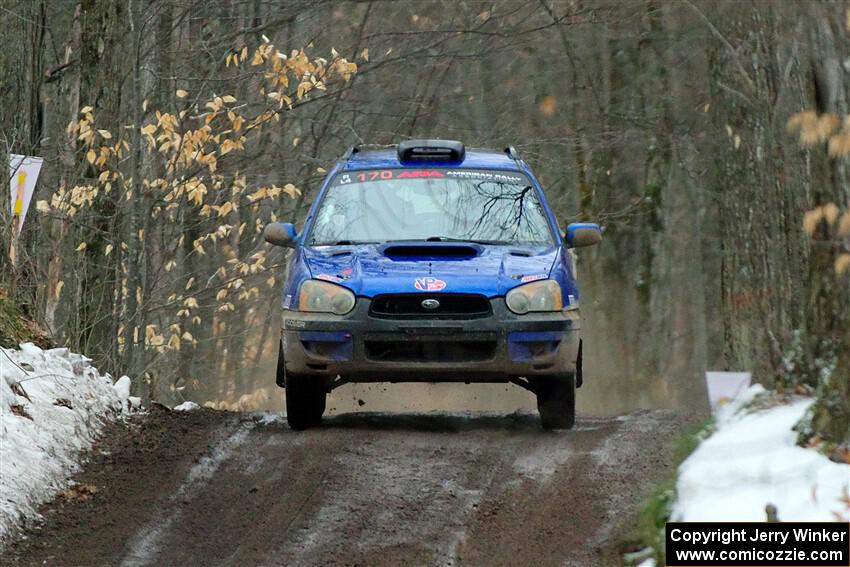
pixel 493 176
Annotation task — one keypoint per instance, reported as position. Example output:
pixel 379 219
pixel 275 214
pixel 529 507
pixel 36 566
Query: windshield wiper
pixel 429 239
pixel 472 240
pixel 343 243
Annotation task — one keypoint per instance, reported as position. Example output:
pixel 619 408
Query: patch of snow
pixel 122 388
pixel 650 562
pixel 752 460
pixel 53 404
pixel 32 352
pixel 267 417
pixel 186 406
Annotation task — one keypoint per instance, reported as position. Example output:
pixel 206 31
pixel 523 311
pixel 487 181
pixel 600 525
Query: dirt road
pixel 217 488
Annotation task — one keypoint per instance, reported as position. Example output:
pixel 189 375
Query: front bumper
pixel 363 348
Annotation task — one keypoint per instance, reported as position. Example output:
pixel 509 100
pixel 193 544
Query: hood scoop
pixel 430 251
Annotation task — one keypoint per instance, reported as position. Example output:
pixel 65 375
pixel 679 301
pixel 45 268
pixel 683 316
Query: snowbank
pixel 752 461
pixel 53 403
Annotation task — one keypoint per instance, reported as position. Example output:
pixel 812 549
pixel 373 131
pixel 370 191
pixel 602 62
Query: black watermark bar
pixel 745 544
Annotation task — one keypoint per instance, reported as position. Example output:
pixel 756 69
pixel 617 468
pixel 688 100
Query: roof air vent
pixel 431 151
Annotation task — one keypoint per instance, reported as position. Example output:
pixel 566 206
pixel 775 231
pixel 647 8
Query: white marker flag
pixel 23 173
pixel 725 386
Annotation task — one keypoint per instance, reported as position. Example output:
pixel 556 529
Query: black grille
pixel 472 347
pixel 420 306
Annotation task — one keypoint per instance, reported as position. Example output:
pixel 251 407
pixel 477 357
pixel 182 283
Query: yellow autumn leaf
pixel 59 285
pixel 548 105
pixel 811 220
pixel 222 293
pixel 844 224
pixel 842 263
pixel 81 247
pixel 107 250
pixel 830 212
pixel 225 209
pixel 91 155
pixel 839 144
pixel 365 54
pixel 228 98
pixel 174 342
pixel 182 93
pixel 190 302
pixel 86 110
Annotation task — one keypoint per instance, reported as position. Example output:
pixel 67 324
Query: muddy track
pixel 217 488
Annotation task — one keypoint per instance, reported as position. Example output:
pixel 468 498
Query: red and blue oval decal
pixel 429 284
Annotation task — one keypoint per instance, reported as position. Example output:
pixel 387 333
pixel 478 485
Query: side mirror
pixel 583 234
pixel 280 234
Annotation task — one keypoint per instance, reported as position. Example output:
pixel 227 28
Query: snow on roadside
pixel 53 404
pixel 752 460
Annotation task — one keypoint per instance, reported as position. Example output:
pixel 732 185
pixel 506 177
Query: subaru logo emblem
pixel 430 303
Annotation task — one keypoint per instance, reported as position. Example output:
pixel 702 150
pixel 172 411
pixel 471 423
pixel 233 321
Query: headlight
pixel 543 295
pixel 323 297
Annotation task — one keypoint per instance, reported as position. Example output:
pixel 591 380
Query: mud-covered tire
pixel 305 401
pixel 556 401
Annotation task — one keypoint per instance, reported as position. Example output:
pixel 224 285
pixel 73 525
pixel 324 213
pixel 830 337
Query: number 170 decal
pixel 375 175
pixel 387 175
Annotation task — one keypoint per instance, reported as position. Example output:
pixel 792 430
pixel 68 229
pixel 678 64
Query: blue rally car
pixel 430 263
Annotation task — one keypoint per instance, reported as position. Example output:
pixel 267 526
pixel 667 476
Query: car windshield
pixel 431 204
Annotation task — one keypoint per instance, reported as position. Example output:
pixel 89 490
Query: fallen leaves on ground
pixel 81 492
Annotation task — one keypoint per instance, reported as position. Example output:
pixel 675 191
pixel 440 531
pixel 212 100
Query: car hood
pixel 438 267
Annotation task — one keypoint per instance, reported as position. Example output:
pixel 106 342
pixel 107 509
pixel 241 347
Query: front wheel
pixel 305 401
pixel 556 401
